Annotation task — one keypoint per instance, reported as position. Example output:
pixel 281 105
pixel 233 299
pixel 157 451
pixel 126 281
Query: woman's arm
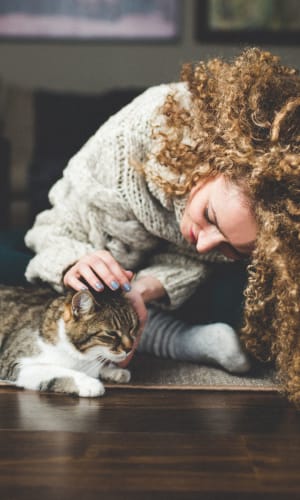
pixel 89 212
pixel 143 291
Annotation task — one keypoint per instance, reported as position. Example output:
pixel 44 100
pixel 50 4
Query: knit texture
pixel 212 344
pixel 103 202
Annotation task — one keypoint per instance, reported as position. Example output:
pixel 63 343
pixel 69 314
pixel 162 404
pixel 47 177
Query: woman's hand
pixel 138 303
pixel 98 268
pixel 101 267
pixel 143 290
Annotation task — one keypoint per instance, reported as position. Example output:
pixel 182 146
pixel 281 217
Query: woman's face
pixel 218 216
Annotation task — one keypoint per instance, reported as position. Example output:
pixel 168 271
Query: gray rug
pixel 149 372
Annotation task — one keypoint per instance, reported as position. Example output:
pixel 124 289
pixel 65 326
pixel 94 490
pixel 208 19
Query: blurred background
pixel 67 65
pixel 93 66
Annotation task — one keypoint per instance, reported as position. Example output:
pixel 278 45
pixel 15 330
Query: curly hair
pixel 244 123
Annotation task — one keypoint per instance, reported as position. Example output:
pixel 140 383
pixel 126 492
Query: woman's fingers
pixel 83 270
pixel 96 269
pixel 70 281
pixel 109 270
pixel 139 305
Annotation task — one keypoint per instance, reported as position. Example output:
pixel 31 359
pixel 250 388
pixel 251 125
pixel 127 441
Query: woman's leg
pixel 215 343
pixel 203 329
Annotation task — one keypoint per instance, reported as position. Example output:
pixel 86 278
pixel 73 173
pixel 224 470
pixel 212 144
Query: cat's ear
pixel 82 303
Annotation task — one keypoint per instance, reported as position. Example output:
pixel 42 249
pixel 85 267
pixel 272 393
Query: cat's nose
pixel 126 344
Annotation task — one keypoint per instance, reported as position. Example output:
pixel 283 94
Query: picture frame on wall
pixel 90 20
pixel 255 21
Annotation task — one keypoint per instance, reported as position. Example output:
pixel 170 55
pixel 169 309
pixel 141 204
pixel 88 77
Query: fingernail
pixel 99 285
pixel 126 287
pixel 114 285
pixel 84 288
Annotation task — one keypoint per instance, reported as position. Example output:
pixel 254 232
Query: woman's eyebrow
pixel 248 247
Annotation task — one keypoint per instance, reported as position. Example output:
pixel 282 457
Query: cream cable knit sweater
pixel 103 202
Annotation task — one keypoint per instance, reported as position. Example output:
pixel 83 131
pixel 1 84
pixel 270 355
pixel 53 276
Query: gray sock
pixel 215 343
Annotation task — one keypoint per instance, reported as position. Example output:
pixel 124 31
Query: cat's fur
pixel 64 343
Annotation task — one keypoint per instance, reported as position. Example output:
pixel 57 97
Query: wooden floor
pixel 149 444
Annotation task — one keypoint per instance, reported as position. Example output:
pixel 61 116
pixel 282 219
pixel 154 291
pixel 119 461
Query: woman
pixel 188 177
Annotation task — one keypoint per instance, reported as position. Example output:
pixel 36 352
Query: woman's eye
pixel 206 216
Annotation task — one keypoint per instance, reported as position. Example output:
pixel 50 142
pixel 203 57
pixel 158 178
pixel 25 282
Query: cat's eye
pixel 107 337
pixel 104 336
pixel 113 333
pixel 98 334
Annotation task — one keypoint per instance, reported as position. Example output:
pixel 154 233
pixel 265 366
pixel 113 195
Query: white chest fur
pixel 63 354
pixel 61 367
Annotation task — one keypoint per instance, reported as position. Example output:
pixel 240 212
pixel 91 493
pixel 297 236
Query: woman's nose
pixel 208 239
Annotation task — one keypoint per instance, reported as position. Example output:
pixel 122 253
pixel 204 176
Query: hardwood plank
pixel 139 445
pixel 160 411
pixel 84 463
pixel 171 463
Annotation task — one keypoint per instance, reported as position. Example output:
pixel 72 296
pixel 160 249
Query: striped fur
pixel 64 343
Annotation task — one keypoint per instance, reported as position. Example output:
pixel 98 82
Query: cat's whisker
pixel 91 364
pixel 94 365
pixel 103 360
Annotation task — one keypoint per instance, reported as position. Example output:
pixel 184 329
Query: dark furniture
pixel 58 125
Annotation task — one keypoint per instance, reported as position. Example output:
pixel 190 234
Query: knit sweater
pixel 103 202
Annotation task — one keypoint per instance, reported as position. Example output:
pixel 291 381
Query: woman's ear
pixel 82 303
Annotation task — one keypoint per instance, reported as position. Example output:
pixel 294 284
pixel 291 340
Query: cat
pixel 65 343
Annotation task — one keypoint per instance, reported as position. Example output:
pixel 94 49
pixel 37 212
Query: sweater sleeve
pixel 59 239
pixel 179 274
pixel 101 202
pixel 61 235
pixel 89 211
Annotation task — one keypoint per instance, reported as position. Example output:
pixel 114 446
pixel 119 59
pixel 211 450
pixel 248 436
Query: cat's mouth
pixel 128 354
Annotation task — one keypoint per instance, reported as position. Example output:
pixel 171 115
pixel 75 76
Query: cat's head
pixel 102 325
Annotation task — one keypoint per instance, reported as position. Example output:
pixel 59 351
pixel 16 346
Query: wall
pixel 93 67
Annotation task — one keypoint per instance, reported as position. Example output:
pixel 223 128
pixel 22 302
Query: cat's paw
pixel 114 374
pixel 121 375
pixel 57 379
pixel 89 387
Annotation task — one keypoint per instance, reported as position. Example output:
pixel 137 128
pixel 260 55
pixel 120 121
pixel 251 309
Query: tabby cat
pixel 65 343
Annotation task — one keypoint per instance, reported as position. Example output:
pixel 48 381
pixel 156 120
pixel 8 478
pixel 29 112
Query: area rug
pixel 149 372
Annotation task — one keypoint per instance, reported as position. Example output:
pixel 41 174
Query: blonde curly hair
pixel 244 123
